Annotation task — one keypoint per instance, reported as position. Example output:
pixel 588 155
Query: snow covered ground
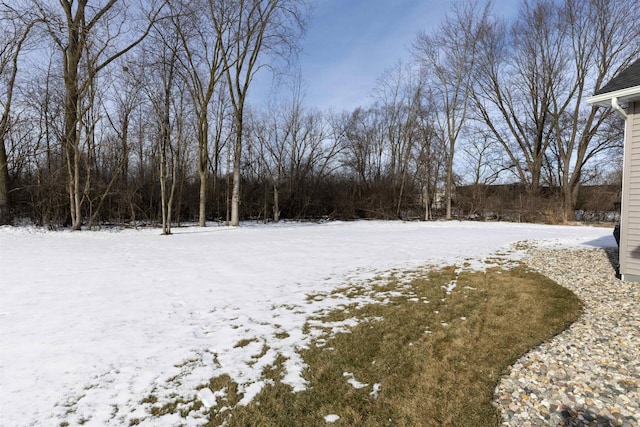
pixel 91 323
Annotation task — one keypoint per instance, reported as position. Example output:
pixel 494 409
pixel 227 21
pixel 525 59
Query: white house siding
pixel 630 237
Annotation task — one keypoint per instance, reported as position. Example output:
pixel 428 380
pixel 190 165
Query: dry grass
pixel 436 363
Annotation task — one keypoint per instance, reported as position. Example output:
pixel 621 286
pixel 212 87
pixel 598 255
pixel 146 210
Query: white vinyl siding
pixel 630 238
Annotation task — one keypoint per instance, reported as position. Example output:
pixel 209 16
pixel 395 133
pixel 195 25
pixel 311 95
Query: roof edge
pixel 623 95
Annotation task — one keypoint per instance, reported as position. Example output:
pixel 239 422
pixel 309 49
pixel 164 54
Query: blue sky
pixel 350 43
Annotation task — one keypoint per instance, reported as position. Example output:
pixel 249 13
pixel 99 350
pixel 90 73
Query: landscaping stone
pixel 589 375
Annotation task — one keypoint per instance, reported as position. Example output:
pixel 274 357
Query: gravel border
pixel 589 375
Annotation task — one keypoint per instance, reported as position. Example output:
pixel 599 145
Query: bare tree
pixel 533 80
pixel 270 137
pixel 429 154
pixel 41 106
pixel 222 117
pixel 203 66
pixel 295 151
pixel 163 92
pixel 399 92
pixel 258 27
pixel 364 156
pixel 126 96
pixel 115 97
pixel 448 57
pixel 515 84
pixel 601 38
pixel 16 27
pixel 89 39
pixel 482 158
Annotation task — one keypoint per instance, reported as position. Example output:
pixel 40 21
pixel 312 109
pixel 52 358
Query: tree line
pixel 141 112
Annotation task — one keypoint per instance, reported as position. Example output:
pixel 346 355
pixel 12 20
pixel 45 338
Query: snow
pixel 376 391
pixel 331 418
pixel 93 323
pixel 209 398
pixel 450 287
pixel 351 379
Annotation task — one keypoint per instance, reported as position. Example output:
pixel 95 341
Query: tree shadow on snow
pixel 604 242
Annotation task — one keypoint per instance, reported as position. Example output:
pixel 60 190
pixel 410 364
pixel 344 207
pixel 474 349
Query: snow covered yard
pixel 92 323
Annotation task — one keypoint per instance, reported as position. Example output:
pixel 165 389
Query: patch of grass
pixel 178 405
pixel 150 399
pixel 256 357
pixel 244 342
pixel 434 364
pixel 281 335
pixel 218 415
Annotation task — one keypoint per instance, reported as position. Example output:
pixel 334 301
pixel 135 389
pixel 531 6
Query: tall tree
pixel 203 68
pixel 161 70
pixel 448 57
pixel 15 26
pixel 365 153
pixel 88 36
pixel 127 99
pixel 399 92
pixel 258 28
pixel 515 82
pixel 600 38
pixel 430 153
pixel 534 77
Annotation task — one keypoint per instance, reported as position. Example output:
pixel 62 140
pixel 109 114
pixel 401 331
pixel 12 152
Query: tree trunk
pixel 427 207
pixel 276 204
pixel 570 198
pixel 4 186
pixel 449 184
pixel 4 126
pixel 202 172
pixel 228 191
pixel 203 164
pixel 71 140
pixel 165 141
pixel 166 225
pixel 202 215
pixel 237 153
pixel 174 179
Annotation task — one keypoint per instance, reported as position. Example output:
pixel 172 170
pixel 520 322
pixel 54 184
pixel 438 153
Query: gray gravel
pixel 589 375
